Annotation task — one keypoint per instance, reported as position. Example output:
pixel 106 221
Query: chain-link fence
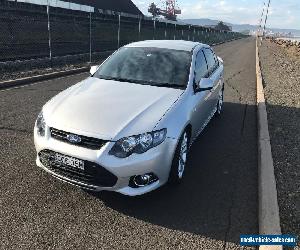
pixel 31 31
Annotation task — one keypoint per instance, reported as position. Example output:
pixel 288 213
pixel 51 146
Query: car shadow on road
pixel 218 198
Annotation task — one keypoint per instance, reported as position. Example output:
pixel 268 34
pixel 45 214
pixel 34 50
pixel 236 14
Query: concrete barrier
pixel 32 79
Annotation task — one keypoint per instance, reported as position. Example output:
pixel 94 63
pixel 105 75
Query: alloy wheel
pixel 183 155
pixel 220 102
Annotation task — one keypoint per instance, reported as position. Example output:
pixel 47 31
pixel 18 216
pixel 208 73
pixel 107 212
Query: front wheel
pixel 220 102
pixel 180 158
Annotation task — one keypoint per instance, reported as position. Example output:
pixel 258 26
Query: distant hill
pixel 206 21
pixel 235 27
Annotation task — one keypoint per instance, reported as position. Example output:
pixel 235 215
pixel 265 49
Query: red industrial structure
pixel 170 12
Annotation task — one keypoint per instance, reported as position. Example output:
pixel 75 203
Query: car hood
pixel 109 109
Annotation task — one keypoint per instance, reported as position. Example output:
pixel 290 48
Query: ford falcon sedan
pixel 129 126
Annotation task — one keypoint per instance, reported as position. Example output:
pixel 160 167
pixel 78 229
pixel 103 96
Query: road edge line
pixel 268 209
pixel 33 79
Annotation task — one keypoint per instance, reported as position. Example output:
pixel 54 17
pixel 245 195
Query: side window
pixel 216 59
pixel 200 67
pixel 210 57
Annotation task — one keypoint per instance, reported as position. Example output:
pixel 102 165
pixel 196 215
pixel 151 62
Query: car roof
pixel 167 44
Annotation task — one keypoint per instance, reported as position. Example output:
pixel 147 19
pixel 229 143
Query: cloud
pixel 282 14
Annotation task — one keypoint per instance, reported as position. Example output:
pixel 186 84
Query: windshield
pixel 149 66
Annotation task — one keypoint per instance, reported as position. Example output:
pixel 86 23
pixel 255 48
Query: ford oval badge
pixel 73 138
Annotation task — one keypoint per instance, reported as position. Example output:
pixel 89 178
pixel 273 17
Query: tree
pixel 222 26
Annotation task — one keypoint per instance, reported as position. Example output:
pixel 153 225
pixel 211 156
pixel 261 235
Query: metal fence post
pixel 119 30
pixel 154 31
pixel 90 37
pixel 140 26
pixel 175 32
pixel 208 33
pixel 166 30
pixel 49 34
pixel 194 35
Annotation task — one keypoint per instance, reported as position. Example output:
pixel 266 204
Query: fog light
pixel 142 180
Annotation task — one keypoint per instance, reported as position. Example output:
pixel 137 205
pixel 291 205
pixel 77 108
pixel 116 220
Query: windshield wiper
pixel 160 84
pixel 151 83
pixel 119 79
pixel 168 85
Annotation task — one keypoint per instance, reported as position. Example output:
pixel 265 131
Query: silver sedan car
pixel 129 126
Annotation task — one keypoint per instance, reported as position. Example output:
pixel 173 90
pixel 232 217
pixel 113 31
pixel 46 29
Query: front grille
pixel 93 174
pixel 86 142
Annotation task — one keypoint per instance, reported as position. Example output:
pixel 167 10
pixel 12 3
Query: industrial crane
pixel 170 12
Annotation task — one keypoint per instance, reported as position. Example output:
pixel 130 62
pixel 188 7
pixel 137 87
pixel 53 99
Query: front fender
pixel 176 119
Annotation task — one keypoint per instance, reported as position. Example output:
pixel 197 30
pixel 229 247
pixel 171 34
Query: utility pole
pixel 90 37
pixel 262 14
pixel 119 31
pixel 49 33
pixel 266 18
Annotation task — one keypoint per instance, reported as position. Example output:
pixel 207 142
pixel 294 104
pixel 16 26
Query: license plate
pixel 69 161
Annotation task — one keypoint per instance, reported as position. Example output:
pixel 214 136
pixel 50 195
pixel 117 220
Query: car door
pixel 215 74
pixel 201 108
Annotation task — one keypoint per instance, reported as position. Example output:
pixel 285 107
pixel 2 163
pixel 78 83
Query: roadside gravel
pixel 281 74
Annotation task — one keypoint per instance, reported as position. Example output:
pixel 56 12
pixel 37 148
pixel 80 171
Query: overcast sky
pixel 283 13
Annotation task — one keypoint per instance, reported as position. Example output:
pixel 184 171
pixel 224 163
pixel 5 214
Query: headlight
pixel 40 124
pixel 138 143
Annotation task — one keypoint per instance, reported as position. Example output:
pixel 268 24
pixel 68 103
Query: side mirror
pixel 221 60
pixel 93 70
pixel 205 84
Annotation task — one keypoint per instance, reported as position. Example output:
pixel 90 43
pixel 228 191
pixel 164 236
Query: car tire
pixel 220 103
pixel 180 159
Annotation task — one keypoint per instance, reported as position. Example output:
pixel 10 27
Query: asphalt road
pixel 216 203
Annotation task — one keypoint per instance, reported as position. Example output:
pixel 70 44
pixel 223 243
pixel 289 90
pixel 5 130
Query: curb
pixel 268 210
pixel 32 79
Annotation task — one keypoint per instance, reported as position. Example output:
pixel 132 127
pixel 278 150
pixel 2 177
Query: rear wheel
pixel 180 158
pixel 220 102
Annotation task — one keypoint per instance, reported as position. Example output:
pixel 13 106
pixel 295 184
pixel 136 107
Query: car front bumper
pixel 157 160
